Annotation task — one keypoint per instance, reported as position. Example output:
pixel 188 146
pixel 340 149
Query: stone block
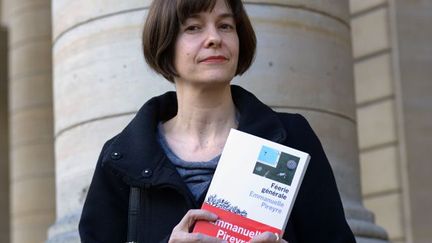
pixel 31 229
pixel 29 60
pixel 373 78
pixel 388 213
pixel 14 7
pixel 77 151
pixel 32 126
pixel 27 28
pixel 328 7
pixel 32 160
pixel 103 56
pixel 31 92
pixel 362 5
pixel 33 195
pixel 379 170
pixel 292 64
pixel 370 33
pixel 376 124
pixel 71 13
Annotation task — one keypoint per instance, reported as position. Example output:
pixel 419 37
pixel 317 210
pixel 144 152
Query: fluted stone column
pixel 304 65
pixel 31 122
pixel 100 80
pixel 4 139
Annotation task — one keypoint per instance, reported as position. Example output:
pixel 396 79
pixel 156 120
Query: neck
pixel 204 118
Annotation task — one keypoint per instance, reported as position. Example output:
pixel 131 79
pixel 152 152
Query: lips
pixel 214 59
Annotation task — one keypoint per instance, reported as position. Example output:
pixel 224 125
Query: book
pixel 253 189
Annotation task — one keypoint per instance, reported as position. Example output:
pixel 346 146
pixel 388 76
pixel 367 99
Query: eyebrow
pixel 220 16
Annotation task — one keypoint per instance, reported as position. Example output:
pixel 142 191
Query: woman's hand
pixel 181 232
pixel 268 237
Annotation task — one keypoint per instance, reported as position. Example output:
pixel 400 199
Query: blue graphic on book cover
pixel 276 165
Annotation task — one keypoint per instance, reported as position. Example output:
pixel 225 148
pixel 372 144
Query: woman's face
pixel 207 47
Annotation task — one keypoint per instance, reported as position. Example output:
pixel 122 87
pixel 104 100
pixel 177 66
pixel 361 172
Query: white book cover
pixel 253 189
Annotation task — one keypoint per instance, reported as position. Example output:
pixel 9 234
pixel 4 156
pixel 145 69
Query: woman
pixel 171 148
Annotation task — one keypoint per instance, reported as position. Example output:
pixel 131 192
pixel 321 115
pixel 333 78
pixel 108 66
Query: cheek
pixel 235 46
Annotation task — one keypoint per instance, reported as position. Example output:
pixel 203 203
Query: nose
pixel 214 38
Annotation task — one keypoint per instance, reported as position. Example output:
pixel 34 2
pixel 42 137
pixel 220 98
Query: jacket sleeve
pixel 318 214
pixel 104 215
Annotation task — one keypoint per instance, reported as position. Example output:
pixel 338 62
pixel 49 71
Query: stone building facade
pixel 72 75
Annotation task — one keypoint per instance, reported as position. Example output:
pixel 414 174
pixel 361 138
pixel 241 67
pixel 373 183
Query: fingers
pixel 181 231
pixel 178 237
pixel 192 216
pixel 198 237
pixel 267 237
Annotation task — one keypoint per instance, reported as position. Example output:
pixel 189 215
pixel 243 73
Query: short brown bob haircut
pixel 162 27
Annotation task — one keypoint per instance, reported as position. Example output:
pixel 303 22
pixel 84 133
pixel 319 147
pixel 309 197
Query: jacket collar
pixel 136 155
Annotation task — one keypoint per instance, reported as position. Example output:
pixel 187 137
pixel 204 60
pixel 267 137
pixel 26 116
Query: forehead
pixel 189 8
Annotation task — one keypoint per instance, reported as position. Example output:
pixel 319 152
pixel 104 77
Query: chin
pixel 217 80
pixel 218 77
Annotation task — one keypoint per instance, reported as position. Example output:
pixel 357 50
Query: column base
pixel 369 240
pixel 362 224
pixel 65 230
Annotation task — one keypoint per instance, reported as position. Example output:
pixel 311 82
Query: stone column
pixel 31 123
pixel 100 81
pixel 304 65
pixel 4 139
pixel 413 35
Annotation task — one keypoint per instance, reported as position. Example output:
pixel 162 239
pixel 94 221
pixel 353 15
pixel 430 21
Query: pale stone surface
pixel 379 170
pixel 292 66
pixel 29 60
pixel 370 33
pixel 414 37
pixel 33 86
pixel 328 7
pixel 32 195
pixel 26 24
pixel 388 213
pixel 3 7
pixel 106 56
pixel 77 151
pixel 23 167
pixel 362 5
pixel 1 12
pixel 376 124
pixel 31 120
pixel 73 13
pixel 31 226
pixel 31 126
pixel 369 240
pixel 373 78
pixel 70 14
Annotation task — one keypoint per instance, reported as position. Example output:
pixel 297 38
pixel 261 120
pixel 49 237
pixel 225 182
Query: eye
pixel 192 28
pixel 226 27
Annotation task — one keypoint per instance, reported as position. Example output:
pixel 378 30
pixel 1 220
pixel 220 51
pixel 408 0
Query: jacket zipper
pixel 146 206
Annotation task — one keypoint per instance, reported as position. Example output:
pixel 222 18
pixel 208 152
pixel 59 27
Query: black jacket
pixel 134 157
